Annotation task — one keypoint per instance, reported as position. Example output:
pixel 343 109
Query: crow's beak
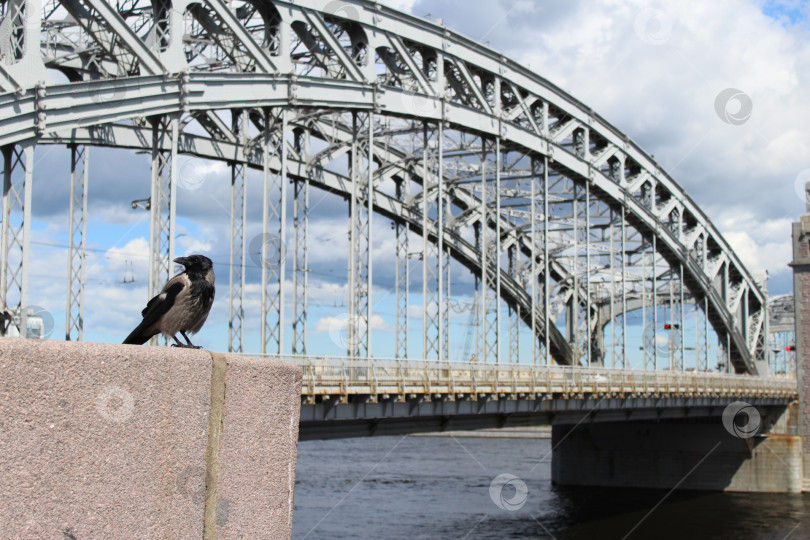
pixel 181 260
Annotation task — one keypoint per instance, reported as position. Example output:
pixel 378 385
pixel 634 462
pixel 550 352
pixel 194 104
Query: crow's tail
pixel 138 336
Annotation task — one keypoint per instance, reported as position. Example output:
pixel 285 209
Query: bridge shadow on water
pixel 444 487
pixel 608 513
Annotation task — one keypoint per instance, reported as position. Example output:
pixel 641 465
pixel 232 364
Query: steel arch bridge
pixel 565 223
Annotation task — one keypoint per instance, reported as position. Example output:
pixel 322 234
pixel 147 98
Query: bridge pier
pixel 801 293
pixel 688 454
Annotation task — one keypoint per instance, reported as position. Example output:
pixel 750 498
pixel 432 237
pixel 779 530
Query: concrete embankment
pixel 121 441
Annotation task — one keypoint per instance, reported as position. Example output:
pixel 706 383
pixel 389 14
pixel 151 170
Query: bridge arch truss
pixel 565 224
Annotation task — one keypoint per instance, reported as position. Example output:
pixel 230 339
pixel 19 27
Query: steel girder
pixel 367 57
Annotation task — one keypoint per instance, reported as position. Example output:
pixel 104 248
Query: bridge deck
pixel 342 397
pixel 332 377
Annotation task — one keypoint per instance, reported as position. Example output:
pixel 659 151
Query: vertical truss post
pixel 705 333
pixel 477 307
pixel 369 156
pixel 588 328
pixel 623 250
pixel 727 352
pixel 274 232
pixel 681 319
pixel 655 304
pixel 700 365
pixel 442 301
pixel 483 245
pixel 432 250
pixel 490 254
pixel 162 202
pixel 16 231
pixel 612 314
pixel 573 313
pixel 672 328
pixel 236 310
pixel 402 277
pixel 445 301
pixel 644 305
pixel 514 312
pixel 360 171
pixel 77 227
pixel 496 257
pixel 546 278
pixel 533 268
pixel 300 234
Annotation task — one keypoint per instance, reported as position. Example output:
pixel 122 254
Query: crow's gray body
pixel 181 306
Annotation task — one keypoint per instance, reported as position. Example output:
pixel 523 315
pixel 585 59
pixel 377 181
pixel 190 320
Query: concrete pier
pixel 801 293
pixel 696 454
pixel 122 441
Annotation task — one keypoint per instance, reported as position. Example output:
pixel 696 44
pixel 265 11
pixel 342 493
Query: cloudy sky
pixel 659 71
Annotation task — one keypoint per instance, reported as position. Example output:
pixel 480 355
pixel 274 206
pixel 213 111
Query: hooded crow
pixel 182 306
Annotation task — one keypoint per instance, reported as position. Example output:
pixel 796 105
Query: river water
pixel 439 487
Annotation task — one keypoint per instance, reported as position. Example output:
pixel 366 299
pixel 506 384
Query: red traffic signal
pixel 790 348
pixel 671 326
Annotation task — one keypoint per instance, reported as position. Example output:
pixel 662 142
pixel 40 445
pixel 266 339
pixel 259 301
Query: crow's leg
pixel 178 344
pixel 191 345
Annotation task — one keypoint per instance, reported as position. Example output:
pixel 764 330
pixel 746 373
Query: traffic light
pixel 671 326
pixel 790 348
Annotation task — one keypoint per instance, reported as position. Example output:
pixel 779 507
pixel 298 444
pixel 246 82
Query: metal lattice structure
pixel 565 224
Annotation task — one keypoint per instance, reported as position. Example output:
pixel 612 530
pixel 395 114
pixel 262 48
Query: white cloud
pixel 129 260
pixel 766 246
pixel 340 323
pixel 402 5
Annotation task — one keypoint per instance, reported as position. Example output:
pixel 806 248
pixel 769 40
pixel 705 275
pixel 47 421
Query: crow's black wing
pixel 154 310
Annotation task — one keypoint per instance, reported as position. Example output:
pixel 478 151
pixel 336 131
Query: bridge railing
pixel 331 376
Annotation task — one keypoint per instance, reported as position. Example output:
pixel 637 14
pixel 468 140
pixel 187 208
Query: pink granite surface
pixel 257 476
pixel 109 441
